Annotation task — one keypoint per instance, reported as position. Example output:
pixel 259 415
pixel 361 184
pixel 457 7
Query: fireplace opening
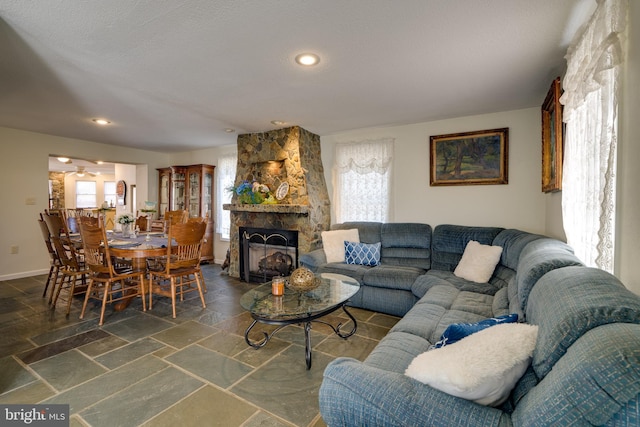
pixel 266 253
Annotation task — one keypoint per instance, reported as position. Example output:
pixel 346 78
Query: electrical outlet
pixel 14 249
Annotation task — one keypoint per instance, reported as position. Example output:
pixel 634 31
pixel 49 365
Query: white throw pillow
pixel 478 262
pixel 483 367
pixel 333 243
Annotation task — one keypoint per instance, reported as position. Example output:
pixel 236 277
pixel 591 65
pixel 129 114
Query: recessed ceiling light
pixel 229 130
pixel 102 122
pixel 307 59
pixel 277 122
pixel 63 159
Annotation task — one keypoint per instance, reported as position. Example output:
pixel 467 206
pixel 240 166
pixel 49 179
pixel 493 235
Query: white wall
pixel 519 204
pixel 24 172
pixel 628 218
pixel 70 188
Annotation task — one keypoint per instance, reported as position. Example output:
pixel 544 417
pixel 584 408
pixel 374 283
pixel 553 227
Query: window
pixel 226 177
pixel 86 194
pixel 362 181
pixel 110 192
pixel 591 115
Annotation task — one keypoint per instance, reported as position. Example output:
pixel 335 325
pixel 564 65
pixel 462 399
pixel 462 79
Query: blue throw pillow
pixel 362 253
pixel 457 331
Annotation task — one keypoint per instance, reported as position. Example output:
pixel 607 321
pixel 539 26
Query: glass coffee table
pixel 300 307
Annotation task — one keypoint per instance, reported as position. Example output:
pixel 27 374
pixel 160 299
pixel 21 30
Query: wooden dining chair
pixel 72 217
pixel 181 273
pixel 72 267
pixel 142 222
pixel 106 284
pixel 176 217
pixel 54 261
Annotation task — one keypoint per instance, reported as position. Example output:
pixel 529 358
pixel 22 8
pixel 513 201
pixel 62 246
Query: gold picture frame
pixel 552 139
pixel 470 158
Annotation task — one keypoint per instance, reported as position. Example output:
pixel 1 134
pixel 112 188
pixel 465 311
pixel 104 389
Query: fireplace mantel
pixel 267 208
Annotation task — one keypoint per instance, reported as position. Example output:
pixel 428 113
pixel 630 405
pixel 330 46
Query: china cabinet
pixel 191 188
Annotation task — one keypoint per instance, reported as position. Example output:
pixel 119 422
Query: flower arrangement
pixel 126 219
pixel 253 193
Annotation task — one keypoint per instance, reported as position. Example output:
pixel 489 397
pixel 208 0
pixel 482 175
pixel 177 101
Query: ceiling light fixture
pixel 307 59
pixel 277 122
pixel 229 130
pixel 63 159
pixel 101 122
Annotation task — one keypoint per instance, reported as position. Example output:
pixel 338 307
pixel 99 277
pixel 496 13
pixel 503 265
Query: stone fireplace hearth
pixel 290 155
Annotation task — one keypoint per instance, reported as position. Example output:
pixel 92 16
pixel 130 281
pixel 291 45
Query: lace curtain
pixel 362 180
pixel 591 115
pixel 226 177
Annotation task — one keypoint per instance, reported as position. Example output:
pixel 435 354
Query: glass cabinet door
pixel 163 202
pixel 177 191
pixel 207 196
pixel 194 194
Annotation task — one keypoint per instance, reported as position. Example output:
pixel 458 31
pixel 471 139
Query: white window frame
pixel 226 175
pixel 82 192
pixel 362 180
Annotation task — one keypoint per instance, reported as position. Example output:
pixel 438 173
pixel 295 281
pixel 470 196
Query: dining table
pixel 137 248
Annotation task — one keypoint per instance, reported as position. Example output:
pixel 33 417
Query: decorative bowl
pixel 303 279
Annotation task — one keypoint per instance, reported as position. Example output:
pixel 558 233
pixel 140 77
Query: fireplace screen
pixel 266 253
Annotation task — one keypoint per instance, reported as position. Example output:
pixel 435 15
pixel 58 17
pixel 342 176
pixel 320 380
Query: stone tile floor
pixel 145 368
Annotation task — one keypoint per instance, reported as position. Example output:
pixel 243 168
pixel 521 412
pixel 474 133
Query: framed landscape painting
pixel 552 139
pixel 470 158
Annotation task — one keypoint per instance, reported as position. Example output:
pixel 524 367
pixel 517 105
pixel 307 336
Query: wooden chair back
pixel 88 220
pixel 65 250
pixel 96 248
pixel 176 217
pixel 73 216
pixel 142 222
pixel 47 239
pixel 57 225
pixel 188 248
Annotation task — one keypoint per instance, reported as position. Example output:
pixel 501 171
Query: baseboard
pixel 24 274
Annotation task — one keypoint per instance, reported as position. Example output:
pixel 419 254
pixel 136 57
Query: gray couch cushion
pixel 597 378
pixel 538 258
pixel 396 351
pixel 396 302
pixel 352 270
pixel 439 277
pixel 441 306
pixel 568 302
pixel 449 242
pixel 513 242
pixel 406 244
pixel 369 232
pixel 392 277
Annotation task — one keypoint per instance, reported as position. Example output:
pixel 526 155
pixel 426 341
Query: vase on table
pixel 126 230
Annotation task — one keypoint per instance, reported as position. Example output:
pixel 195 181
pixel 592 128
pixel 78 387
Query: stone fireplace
pixel 290 155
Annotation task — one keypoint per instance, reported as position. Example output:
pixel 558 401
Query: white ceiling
pixel 172 75
pixel 103 168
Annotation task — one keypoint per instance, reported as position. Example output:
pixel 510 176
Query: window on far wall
pixel 362 180
pixel 110 192
pixel 226 177
pixel 86 194
pixel 592 90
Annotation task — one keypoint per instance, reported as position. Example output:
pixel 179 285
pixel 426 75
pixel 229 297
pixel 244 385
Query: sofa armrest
pixel 355 394
pixel 314 259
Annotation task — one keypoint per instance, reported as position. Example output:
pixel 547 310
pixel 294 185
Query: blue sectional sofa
pixel 585 368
